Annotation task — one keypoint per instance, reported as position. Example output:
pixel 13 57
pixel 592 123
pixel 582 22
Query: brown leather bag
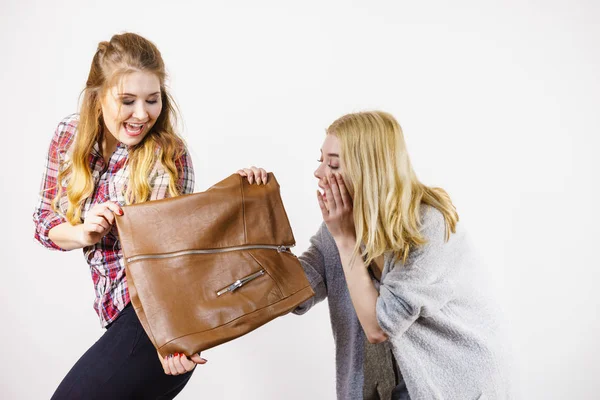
pixel 206 268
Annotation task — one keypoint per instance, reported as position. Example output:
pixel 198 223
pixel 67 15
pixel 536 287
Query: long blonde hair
pixel 386 192
pixel 123 54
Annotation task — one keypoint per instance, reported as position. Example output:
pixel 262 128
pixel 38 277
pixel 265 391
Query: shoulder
pixel 70 120
pixel 66 131
pixel 174 147
pixel 177 152
pixel 184 158
pixel 433 224
pixel 433 230
pixel 69 123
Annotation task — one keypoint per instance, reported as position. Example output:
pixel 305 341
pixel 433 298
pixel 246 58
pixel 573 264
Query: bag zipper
pixel 280 249
pixel 240 282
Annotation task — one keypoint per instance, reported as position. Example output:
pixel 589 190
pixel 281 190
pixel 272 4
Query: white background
pixel 499 103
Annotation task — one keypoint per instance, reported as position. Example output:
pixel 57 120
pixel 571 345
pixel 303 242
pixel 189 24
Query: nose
pixel 319 172
pixel 140 111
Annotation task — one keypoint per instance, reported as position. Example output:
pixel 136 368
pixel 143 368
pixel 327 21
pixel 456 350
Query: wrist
pixel 81 236
pixel 345 243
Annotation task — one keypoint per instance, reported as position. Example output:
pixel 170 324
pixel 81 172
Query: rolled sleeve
pixel 45 217
pixel 394 314
pixel 44 222
pixel 421 286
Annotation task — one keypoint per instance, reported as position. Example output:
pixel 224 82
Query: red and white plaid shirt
pixel 105 258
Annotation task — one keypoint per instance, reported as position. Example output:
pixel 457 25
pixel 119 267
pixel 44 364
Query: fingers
pixel 198 359
pixel 346 200
pixel 322 205
pixel 94 223
pixel 186 363
pixel 163 362
pixel 257 174
pixel 263 175
pixel 336 199
pixel 329 194
pixel 254 174
pixel 108 215
pixel 114 207
pixel 336 193
pixel 247 172
pixel 102 215
pixel 335 189
pixel 176 364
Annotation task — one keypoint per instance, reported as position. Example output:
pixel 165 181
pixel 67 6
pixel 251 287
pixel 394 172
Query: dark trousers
pixel 122 364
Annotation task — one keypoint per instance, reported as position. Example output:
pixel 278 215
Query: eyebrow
pixel 133 95
pixel 330 154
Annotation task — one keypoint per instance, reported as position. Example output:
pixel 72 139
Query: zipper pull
pixel 240 282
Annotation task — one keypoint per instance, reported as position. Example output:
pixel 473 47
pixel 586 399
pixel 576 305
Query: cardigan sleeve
pixel 313 263
pixel 421 286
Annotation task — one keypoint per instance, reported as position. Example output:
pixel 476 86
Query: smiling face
pixel 130 108
pixel 330 161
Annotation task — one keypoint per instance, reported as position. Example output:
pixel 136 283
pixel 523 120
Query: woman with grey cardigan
pixel 409 308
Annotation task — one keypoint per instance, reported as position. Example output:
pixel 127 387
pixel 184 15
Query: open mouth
pixel 133 129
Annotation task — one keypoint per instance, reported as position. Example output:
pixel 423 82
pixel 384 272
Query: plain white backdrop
pixel 499 102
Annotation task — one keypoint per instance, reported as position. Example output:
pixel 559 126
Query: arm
pixel 44 216
pixel 362 291
pixel 51 228
pixel 313 263
pixel 101 217
pixel 97 224
pixel 337 214
pixel 67 236
pixel 425 283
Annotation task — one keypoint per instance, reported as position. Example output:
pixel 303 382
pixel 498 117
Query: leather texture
pixel 180 252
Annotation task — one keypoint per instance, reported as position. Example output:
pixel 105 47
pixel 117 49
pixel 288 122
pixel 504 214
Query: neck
pixel 109 144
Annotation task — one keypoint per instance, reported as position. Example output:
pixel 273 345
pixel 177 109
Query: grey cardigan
pixel 442 324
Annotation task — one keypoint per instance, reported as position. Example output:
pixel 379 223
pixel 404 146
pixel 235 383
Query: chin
pixel 132 140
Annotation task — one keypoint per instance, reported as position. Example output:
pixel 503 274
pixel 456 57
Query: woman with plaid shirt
pixel 120 149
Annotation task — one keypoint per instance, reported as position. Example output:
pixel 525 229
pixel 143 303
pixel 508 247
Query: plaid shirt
pixel 105 258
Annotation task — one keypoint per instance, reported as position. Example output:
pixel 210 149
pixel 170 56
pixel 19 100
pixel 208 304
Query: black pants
pixel 122 364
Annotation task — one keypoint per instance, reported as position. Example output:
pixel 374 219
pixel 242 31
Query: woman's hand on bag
pixel 179 363
pixel 254 175
pixel 98 222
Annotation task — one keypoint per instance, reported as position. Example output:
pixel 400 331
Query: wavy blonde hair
pixel 122 55
pixel 386 192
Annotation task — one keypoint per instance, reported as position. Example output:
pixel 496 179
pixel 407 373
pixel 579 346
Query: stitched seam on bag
pixel 235 319
pixel 284 212
pixel 243 209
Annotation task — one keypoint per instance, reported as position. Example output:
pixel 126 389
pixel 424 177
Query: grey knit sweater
pixel 442 325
